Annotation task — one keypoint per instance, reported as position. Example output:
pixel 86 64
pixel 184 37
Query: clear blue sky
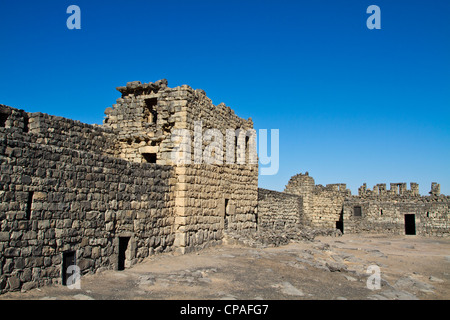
pixel 353 105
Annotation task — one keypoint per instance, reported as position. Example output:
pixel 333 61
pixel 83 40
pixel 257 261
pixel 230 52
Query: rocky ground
pixel 329 267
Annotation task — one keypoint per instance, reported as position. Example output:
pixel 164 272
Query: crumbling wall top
pixel 300 184
pixel 138 88
pixel 435 189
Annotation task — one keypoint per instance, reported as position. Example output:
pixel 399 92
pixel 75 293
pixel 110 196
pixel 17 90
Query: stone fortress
pixel 107 196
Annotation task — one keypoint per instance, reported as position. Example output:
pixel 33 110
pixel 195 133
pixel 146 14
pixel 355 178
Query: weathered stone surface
pixel 13 283
pixel 28 286
pixel 288 289
pixel 335 266
pixel 4 236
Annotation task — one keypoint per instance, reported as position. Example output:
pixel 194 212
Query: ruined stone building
pixel 107 196
pixel 395 211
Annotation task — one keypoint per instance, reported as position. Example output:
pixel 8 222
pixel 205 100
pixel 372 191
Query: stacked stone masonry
pixel 279 211
pixel 73 189
pixel 61 192
pixel 387 211
pixel 322 206
pixel 107 196
pixel 397 210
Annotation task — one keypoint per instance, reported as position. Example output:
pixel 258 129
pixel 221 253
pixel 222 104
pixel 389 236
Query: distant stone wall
pixel 303 185
pixel 383 211
pixel 326 211
pixel 279 211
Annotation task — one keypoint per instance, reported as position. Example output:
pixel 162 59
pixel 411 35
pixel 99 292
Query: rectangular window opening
pixel 357 212
pixel 149 157
pixel 26 121
pixel 29 204
pixel 226 214
pixel 236 149
pixel 150 110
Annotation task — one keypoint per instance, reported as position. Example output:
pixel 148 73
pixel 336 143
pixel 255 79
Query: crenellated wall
pixel 383 211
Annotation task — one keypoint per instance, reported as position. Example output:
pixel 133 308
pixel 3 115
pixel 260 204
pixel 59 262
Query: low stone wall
pixel 279 211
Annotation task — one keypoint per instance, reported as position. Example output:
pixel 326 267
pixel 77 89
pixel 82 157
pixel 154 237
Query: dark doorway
pixel 123 245
pixel 410 224
pixel 340 222
pixel 226 214
pixel 69 259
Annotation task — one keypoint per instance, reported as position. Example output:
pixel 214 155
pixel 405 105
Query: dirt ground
pixel 329 268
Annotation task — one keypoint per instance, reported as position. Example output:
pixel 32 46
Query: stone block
pixel 4 236
pixel 28 286
pixel 14 283
pixel 149 149
pixel 40 196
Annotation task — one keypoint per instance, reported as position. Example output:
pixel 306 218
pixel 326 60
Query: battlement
pixel 333 187
pixel 435 189
pixel 396 189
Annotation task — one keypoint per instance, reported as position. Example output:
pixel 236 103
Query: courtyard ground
pixel 329 268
